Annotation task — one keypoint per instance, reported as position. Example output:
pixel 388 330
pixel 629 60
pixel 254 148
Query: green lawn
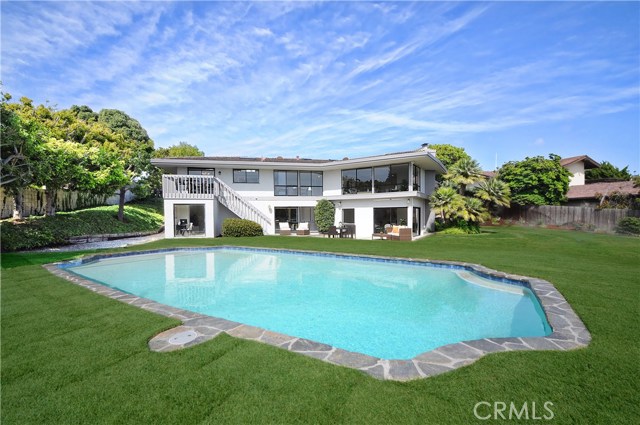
pixel 71 356
pixel 40 231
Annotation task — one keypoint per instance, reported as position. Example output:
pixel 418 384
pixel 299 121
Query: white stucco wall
pixel 181 211
pixel 577 169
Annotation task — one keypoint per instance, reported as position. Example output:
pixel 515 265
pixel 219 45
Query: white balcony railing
pixel 210 187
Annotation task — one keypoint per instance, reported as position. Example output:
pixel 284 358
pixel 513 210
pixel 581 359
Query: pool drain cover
pixel 183 337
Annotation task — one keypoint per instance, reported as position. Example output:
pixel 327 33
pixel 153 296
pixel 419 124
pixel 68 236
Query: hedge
pixel 237 227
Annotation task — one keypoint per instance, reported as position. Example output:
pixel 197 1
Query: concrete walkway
pixel 116 243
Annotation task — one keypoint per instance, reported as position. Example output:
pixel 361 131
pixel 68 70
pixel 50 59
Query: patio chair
pixel 285 229
pixel 350 231
pixel 182 226
pixel 303 229
pixel 332 232
pixel 189 229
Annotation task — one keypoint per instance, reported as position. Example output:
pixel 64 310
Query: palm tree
pixel 446 202
pixel 465 172
pixel 494 193
pixel 473 210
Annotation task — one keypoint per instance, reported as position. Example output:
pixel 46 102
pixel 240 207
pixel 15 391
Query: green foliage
pixel 449 154
pixel 135 149
pixel 18 140
pixel 236 228
pixel 494 193
pixel 473 211
pixel 325 213
pixel 607 171
pixel 130 128
pixel 457 227
pixel 152 184
pixel 629 226
pixel 616 200
pixel 536 180
pixel 446 202
pixel 183 149
pixel 465 172
pixel 38 232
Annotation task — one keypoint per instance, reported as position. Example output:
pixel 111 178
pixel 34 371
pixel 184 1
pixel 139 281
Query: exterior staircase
pixel 208 187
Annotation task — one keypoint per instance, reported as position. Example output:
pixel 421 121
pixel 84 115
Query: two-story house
pixel 368 192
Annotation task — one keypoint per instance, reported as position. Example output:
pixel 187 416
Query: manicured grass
pixel 40 231
pixel 71 356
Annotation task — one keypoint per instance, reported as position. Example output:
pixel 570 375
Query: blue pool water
pixel 392 310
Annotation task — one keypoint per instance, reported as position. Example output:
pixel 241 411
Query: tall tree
pixel 608 171
pixel 152 185
pixel 494 193
pixel 465 172
pixel 536 180
pixel 446 202
pixel 19 138
pixel 135 149
pixel 449 154
pixel 59 164
pixel 181 150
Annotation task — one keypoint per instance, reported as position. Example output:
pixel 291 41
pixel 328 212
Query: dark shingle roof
pixel 588 162
pixel 589 191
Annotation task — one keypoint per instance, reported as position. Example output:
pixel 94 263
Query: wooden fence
pixel 35 201
pixel 587 218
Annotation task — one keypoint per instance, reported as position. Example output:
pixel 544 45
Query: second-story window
pixel 310 183
pixel 417 178
pixel 201 171
pixel 297 183
pixel 285 183
pixel 246 176
pixel 356 181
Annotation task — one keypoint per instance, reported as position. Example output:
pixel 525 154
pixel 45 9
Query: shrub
pixel 453 231
pixel 457 227
pixel 629 226
pixel 237 227
pixel 325 214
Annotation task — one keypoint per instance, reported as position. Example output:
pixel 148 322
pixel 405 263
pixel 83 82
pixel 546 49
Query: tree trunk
pixel 18 205
pixel 123 192
pixel 50 206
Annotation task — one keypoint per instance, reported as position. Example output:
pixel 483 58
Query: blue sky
pixel 328 80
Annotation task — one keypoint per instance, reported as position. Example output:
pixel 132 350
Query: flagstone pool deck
pixel 568 331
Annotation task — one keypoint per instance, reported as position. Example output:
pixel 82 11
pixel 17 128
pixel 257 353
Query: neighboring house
pixel 577 166
pixel 590 194
pixel 200 192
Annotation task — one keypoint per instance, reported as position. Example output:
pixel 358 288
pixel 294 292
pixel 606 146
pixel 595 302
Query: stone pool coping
pixel 568 331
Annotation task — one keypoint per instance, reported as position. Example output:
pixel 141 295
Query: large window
pixel 297 183
pixel 356 181
pixel 246 176
pixel 393 216
pixel 387 178
pixel 391 178
pixel 310 183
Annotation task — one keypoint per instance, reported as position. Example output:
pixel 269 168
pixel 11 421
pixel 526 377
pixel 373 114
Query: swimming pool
pixel 392 309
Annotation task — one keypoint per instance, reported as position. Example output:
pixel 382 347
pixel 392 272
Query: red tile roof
pixel 589 191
